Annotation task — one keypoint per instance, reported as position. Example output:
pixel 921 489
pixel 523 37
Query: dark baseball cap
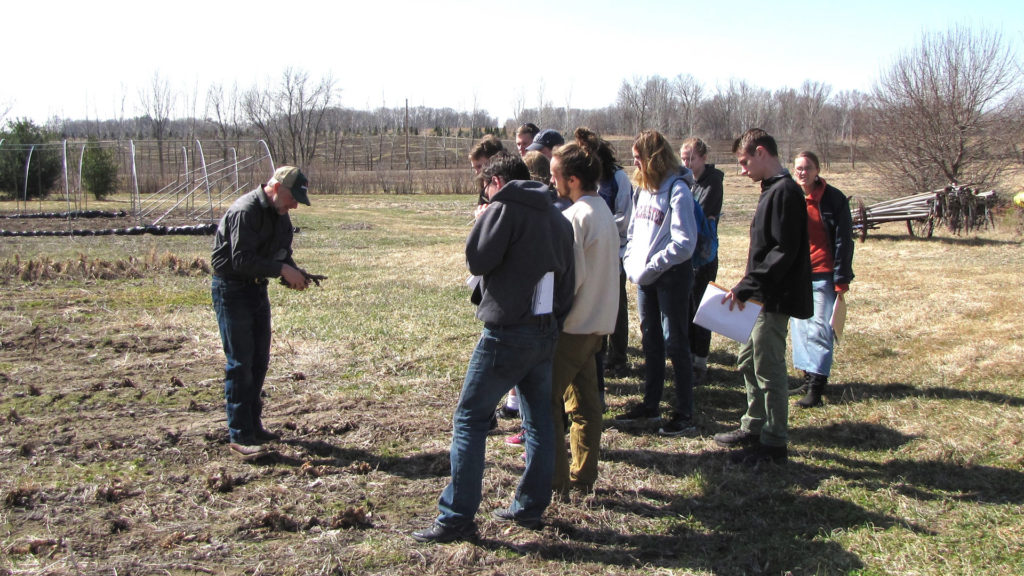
pixel 293 179
pixel 546 139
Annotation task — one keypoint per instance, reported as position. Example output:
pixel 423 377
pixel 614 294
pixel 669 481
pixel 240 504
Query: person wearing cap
pixel 253 243
pixel 546 141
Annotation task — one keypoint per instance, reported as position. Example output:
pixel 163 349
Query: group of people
pixel 547 315
pixel 559 228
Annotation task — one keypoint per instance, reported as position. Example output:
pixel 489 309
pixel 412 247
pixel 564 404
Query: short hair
pixel 576 160
pixel 527 128
pixel 539 166
pixel 599 147
pixel 657 160
pixel 486 147
pixel 695 144
pixel 506 166
pixel 753 138
pixel 810 156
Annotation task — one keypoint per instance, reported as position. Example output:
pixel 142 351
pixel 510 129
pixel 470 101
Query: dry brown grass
pixel 112 441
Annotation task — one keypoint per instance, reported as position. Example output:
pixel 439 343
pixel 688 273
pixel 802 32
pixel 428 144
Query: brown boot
pixel 816 387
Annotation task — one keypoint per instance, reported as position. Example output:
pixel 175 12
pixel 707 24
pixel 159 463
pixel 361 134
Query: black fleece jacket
pixel 779 262
pixel 835 215
pixel 515 242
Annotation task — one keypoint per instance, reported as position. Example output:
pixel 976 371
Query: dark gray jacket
pixel 252 240
pixel 515 242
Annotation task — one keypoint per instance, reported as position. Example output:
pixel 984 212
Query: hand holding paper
pixel 721 312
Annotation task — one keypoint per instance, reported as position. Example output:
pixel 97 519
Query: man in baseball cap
pixel 546 142
pixel 253 243
pixel 293 179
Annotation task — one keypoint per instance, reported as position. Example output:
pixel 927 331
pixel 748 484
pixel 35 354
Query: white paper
pixel 838 317
pixel 544 295
pixel 715 316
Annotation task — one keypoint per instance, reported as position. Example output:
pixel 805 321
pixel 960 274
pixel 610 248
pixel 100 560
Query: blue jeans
pixel 505 356
pixel 700 337
pixel 664 324
pixel 243 314
pixel 813 339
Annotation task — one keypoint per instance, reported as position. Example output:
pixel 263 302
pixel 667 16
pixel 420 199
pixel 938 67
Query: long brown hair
pixel 658 160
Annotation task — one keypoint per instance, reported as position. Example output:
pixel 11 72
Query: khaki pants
pixel 574 391
pixel 762 361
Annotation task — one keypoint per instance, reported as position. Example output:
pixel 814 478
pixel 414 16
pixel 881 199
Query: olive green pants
pixel 762 362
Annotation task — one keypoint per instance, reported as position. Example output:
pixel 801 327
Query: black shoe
pixel 677 426
pixel 440 533
pixel 494 424
pixel 504 515
pixel 638 412
pixel 738 437
pixel 760 454
pixel 264 435
pixel 505 412
pixel 816 387
pixel 616 369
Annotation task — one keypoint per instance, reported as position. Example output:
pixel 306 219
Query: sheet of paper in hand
pixel 715 316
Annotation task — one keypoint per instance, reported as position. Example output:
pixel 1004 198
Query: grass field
pixel 113 455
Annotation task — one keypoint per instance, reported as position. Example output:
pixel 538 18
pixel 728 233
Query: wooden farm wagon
pixel 959 208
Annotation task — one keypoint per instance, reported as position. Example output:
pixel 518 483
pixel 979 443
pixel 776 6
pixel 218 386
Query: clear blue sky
pixel 75 59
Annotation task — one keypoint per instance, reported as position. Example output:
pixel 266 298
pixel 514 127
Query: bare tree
pixel 634 103
pixel 689 93
pixel 289 116
pixel 850 105
pixel 658 94
pixel 787 120
pixel 519 107
pixel 813 98
pixel 158 104
pixel 547 116
pixel 754 106
pixel 225 112
pixel 937 111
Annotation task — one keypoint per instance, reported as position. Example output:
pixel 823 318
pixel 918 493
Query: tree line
pixel 946 111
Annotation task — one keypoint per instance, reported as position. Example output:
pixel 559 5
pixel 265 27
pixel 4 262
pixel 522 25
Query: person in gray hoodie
pixel 660 241
pixel 520 252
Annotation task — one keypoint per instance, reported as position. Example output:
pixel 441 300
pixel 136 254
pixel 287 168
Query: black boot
pixel 816 387
pixel 804 385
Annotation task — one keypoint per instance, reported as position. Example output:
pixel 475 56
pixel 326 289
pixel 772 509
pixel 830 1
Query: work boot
pixel 803 387
pixel 816 387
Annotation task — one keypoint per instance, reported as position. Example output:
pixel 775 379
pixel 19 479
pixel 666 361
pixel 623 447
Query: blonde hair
pixel 695 144
pixel 539 165
pixel 657 160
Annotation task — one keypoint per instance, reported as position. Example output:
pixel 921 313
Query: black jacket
pixel 515 242
pixel 779 262
pixel 708 191
pixel 835 215
pixel 252 240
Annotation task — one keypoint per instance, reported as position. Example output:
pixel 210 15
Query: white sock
pixel 512 403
